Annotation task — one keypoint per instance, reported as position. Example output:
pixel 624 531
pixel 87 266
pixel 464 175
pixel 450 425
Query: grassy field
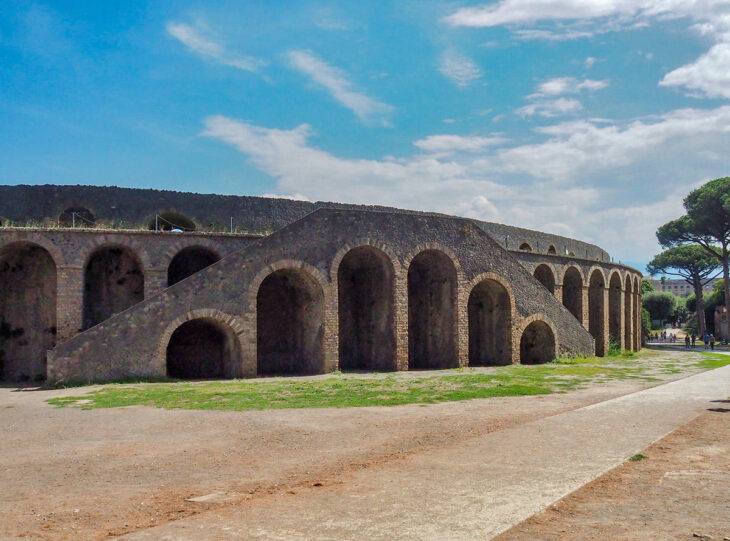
pixel 391 389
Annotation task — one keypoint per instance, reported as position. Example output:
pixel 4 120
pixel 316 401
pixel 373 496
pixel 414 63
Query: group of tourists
pixel 708 339
pixel 663 337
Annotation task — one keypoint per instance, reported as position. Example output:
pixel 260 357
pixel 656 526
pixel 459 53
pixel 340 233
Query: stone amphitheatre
pixel 102 284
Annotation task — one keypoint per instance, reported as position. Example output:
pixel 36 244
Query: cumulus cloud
pixel 337 84
pixel 567 85
pixel 461 69
pixel 709 75
pixel 587 178
pixel 210 50
pixel 550 108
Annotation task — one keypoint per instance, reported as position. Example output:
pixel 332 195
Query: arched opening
pixel 524 247
pixel 113 282
pixel 573 292
pixel 203 348
pixel 188 261
pixel 637 315
pixel 614 310
pixel 432 311
pixel 551 250
pixel 596 310
pixel 490 324
pixel 545 276
pixel 77 217
pixel 171 221
pixel 571 254
pixel 537 344
pixel 365 282
pixel 27 311
pixel 290 310
pixel 628 315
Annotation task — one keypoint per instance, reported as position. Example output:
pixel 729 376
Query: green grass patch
pixel 713 360
pixel 637 457
pixel 348 390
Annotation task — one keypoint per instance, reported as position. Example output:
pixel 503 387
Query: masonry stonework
pixel 335 287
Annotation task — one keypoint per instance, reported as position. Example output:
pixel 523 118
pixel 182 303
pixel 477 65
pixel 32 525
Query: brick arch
pixel 594 268
pixel 138 250
pixel 234 323
pixel 433 246
pixel 613 273
pixel 525 322
pixel 53 250
pixel 524 243
pixel 283 264
pixel 551 268
pixel 489 351
pixel 565 270
pixel 361 243
pixel 181 244
pixel 179 269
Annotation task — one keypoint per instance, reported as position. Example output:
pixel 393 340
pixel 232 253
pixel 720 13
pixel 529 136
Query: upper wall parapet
pixel 144 209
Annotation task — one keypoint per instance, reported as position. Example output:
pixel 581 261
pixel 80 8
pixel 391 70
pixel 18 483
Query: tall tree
pixel 695 265
pixel 706 223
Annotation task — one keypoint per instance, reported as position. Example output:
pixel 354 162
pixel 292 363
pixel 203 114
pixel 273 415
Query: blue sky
pixel 589 119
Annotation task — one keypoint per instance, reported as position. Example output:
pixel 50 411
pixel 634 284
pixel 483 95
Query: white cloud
pixel 552 35
pixel 708 75
pixel 335 81
pixel 209 49
pixel 550 108
pixel 588 62
pixel 567 85
pixel 461 69
pixel 586 178
pixel 454 143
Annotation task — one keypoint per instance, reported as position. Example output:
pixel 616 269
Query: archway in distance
pixel 432 283
pixel 366 299
pixel 188 261
pixel 596 311
pixel 537 344
pixel 614 310
pixel 113 282
pixel 289 316
pixel 545 276
pixel 490 324
pixel 203 348
pixel 27 311
pixel 573 292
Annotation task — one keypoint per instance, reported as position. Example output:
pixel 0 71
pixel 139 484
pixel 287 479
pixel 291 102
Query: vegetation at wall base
pixel 391 389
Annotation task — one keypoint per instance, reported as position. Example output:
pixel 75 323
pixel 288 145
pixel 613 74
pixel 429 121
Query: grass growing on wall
pixel 391 389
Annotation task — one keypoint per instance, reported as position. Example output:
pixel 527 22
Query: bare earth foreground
pixel 459 470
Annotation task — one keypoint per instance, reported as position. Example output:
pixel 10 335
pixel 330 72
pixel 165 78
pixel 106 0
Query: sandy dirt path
pixel 473 489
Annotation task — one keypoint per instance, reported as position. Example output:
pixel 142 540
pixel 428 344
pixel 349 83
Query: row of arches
pixel 113 281
pixel 290 311
pixel 623 300
pixel 79 216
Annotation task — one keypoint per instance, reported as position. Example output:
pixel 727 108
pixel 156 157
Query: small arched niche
pixel 171 221
pixel 188 261
pixel 77 216
pixel 537 344
pixel 525 247
pixel 551 250
pixel 545 276
pixel 203 348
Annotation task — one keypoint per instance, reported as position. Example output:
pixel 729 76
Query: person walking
pixel 706 340
pixel 712 342
pixel 687 341
pixel 694 339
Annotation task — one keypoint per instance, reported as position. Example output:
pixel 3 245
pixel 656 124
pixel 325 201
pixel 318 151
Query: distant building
pixel 679 287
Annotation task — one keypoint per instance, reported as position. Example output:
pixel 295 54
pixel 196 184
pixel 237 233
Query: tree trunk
pixel 726 280
pixel 700 308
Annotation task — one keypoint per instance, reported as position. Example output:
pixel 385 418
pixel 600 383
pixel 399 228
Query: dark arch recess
pixel 545 276
pixel 113 282
pixel 490 324
pixel 203 348
pixel 628 314
pixel 77 217
pixel 551 250
pixel 171 221
pixel 366 298
pixel 573 292
pixel 596 311
pixel 432 319
pixel 537 344
pixel 524 247
pixel 27 311
pixel 290 312
pixel 188 261
pixel 614 311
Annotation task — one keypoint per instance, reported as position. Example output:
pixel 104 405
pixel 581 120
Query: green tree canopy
pixel 691 262
pixel 660 305
pixel 706 223
pixel 646 286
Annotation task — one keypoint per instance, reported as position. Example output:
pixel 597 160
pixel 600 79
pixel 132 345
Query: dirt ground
pixel 680 491
pixel 74 474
